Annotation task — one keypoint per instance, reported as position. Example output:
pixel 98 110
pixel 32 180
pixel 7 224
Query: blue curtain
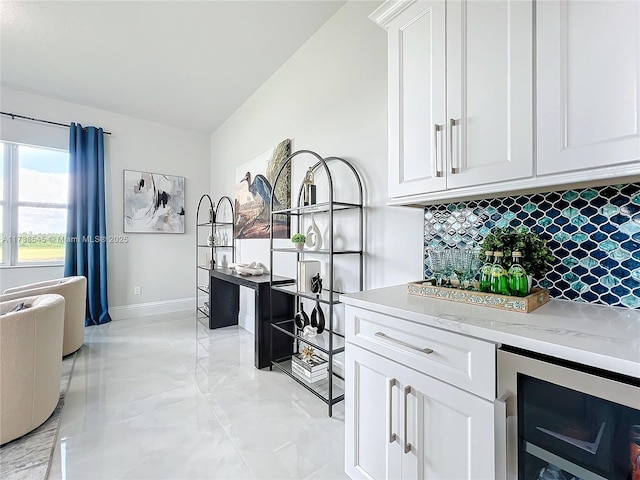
pixel 86 247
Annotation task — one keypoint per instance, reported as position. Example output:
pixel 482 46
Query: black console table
pixel 224 304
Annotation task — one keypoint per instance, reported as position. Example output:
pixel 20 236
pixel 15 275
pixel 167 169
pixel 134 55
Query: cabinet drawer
pixel 464 362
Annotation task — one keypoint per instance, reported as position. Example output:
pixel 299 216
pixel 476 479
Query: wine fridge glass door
pixel 569 424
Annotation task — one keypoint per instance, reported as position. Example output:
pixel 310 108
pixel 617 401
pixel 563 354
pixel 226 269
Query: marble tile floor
pixel 164 397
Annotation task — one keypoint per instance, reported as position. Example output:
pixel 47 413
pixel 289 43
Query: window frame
pixel 10 204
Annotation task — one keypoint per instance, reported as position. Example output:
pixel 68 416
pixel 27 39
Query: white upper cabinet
pixel 460 93
pixel 417 99
pixel 489 91
pixel 588 102
pixel 463 118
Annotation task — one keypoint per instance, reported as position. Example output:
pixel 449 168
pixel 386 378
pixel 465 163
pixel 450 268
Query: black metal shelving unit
pixel 220 219
pixel 331 342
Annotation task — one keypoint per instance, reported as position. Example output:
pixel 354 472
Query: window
pixel 33 204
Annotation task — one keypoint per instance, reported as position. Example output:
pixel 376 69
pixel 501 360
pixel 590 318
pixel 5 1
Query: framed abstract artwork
pixel 153 203
pixel 253 194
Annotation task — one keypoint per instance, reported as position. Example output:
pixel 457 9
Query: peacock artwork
pixel 253 194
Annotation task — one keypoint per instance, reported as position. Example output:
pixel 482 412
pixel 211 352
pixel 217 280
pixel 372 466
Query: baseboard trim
pixel 122 312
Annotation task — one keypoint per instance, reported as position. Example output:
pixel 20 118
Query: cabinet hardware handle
pixel 407 445
pixel 500 415
pixel 437 128
pixel 391 384
pixel 453 123
pixel 400 342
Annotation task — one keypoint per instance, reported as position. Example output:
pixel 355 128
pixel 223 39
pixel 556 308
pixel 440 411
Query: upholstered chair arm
pixel 19 292
pixel 6 305
pixel 34 286
pixel 74 290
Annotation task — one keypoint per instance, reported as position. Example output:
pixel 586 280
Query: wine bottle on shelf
pixel 551 472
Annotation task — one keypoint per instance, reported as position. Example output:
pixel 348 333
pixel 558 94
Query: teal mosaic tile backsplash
pixel 594 234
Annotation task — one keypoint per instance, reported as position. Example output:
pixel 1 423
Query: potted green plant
pixel 536 255
pixel 298 240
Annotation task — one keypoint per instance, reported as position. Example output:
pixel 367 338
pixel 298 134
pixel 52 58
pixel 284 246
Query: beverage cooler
pixel 563 421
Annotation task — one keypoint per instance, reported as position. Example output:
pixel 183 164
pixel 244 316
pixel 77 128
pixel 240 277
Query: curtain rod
pixel 15 115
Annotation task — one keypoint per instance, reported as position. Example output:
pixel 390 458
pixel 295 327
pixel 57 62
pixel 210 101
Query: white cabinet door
pixel 451 431
pixel 416 41
pixel 371 417
pixel 588 84
pixel 489 91
pixel 401 423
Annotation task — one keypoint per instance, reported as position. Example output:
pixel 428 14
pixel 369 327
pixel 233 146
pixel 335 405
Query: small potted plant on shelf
pixel 536 255
pixel 298 240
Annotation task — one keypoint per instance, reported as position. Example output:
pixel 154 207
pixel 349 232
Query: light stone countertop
pixel 598 336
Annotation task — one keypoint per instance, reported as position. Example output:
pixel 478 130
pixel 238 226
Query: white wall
pixel 330 97
pixel 162 264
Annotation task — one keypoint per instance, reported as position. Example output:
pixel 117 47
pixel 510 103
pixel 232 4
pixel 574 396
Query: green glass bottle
pixel 499 279
pixel 485 272
pixel 518 284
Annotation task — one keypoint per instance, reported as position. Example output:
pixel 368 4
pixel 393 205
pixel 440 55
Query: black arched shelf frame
pixel 203 229
pixel 327 390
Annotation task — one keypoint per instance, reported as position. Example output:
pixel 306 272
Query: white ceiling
pixel 189 64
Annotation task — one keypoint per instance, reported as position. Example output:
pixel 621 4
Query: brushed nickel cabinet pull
pixel 407 445
pixel 390 385
pixel 405 344
pixel 436 129
pixel 453 123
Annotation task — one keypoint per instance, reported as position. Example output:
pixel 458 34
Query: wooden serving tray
pixel 537 297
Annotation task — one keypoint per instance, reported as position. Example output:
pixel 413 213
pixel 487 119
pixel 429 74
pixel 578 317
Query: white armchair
pixel 30 362
pixel 74 291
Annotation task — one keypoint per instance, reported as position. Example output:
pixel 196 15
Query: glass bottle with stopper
pixel 498 276
pixel 518 284
pixel 485 272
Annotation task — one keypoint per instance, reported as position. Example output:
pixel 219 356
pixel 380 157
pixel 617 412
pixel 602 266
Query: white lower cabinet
pixel 403 424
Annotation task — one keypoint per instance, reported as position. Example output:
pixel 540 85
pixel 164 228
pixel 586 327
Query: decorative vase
pixel 301 319
pixel 314 239
pixel 316 284
pixel 309 331
pixel 529 283
pixel 317 318
pixel 299 246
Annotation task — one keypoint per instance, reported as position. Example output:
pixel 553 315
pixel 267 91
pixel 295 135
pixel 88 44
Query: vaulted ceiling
pixel 189 64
